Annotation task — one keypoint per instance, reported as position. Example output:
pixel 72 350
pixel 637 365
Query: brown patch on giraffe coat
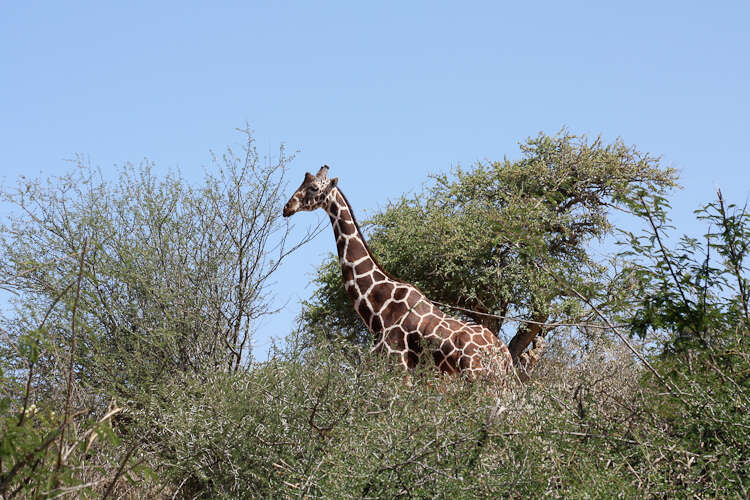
pixel 377 325
pixel 340 245
pixel 490 338
pixel 464 363
pixel 400 293
pixel 412 358
pixel 396 339
pixel 410 322
pixel 438 357
pixel 442 332
pixel 440 314
pixel 476 363
pixel 363 267
pixel 347 227
pixel 429 323
pixel 447 348
pixel 414 342
pixel 480 340
pixel 470 348
pixel 379 294
pixel 450 364
pixel 364 283
pixel 364 311
pixel 347 273
pixel 378 276
pixel 392 312
pixel 453 324
pixel 355 250
pixel 418 304
pixel 461 339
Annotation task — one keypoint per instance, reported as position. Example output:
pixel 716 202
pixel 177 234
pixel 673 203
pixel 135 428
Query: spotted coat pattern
pixel 402 320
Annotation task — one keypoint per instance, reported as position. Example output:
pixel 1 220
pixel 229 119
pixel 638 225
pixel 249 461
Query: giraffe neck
pixel 358 266
pixel 402 320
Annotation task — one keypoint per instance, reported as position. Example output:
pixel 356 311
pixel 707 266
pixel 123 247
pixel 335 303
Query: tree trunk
pixel 526 333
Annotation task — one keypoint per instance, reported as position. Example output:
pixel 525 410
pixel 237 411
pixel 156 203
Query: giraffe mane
pixel 377 262
pixel 404 321
pixel 367 245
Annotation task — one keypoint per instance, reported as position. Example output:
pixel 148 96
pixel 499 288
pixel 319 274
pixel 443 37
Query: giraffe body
pixel 402 320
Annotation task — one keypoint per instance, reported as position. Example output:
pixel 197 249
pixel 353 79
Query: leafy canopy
pixel 176 275
pixel 473 237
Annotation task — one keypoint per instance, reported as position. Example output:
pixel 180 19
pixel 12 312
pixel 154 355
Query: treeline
pixel 127 369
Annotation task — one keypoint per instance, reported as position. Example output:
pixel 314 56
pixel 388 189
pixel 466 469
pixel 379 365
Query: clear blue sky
pixel 383 92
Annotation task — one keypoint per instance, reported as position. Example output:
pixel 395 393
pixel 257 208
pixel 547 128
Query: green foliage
pixel 119 285
pixel 175 278
pixel 698 293
pixel 321 426
pixel 47 449
pixel 330 316
pixel 147 289
pixel 474 237
pixel 693 301
pixel 31 443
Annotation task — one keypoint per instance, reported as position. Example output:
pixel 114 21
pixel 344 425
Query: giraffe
pixel 402 320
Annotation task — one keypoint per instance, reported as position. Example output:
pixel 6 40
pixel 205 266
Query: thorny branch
pixel 72 350
pixel 617 332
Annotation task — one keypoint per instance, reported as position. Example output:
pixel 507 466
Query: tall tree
pixel 176 275
pixel 474 238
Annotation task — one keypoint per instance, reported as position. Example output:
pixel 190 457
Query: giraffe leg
pixel 527 360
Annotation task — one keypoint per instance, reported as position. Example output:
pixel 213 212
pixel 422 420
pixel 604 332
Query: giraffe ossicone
pixel 403 321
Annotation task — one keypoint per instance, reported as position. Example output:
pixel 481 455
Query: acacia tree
pixel 691 303
pixel 475 238
pixel 176 275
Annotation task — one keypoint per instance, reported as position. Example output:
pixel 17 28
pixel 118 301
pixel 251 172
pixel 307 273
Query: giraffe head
pixel 312 193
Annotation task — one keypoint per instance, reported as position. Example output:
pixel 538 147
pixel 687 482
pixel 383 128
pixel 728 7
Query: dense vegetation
pixel 127 371
pixel 493 238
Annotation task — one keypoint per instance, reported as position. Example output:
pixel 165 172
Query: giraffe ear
pixel 334 182
pixel 323 172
